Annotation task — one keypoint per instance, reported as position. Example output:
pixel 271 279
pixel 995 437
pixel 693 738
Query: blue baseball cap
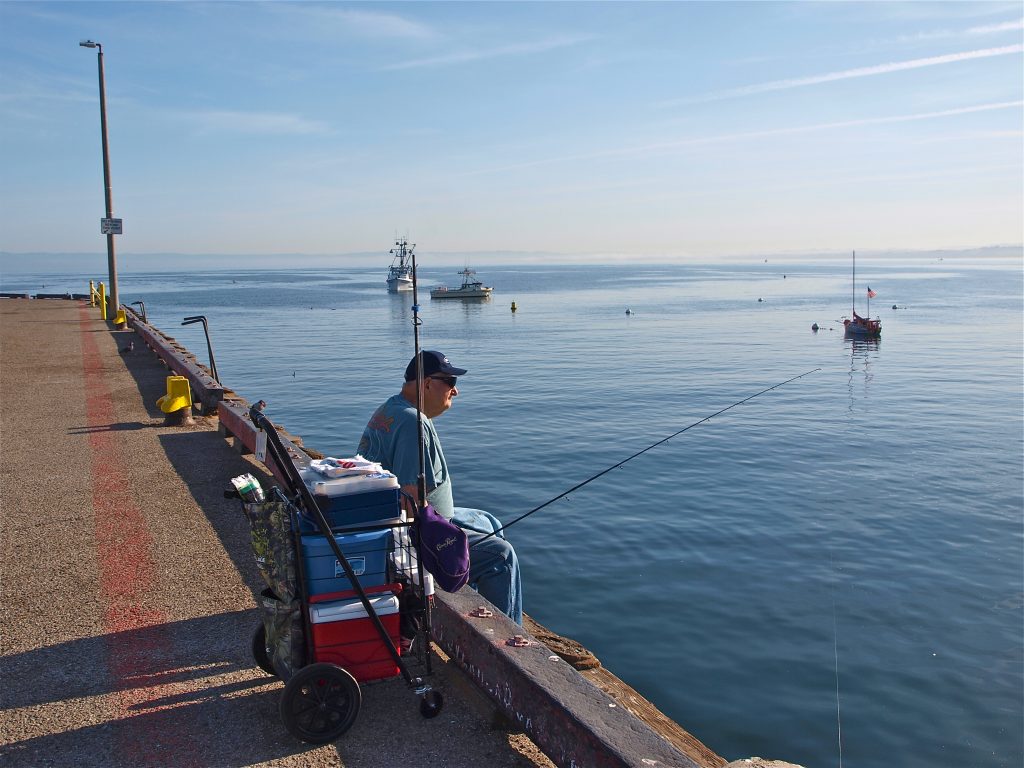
pixel 433 363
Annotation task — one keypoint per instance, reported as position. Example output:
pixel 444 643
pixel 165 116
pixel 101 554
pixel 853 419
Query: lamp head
pixel 89 44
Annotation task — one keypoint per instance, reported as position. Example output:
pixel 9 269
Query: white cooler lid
pixel 344 610
pixel 344 486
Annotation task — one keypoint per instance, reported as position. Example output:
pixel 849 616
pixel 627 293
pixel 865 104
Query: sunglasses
pixel 449 380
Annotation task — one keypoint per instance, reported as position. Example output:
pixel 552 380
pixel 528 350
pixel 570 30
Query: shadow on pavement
pixel 69 670
pixel 215 698
pixel 201 457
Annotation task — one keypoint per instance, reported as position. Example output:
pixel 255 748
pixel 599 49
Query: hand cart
pixel 323 645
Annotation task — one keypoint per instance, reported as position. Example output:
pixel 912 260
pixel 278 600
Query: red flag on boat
pixel 871 294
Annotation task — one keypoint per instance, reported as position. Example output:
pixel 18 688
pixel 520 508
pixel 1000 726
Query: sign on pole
pixel 110 226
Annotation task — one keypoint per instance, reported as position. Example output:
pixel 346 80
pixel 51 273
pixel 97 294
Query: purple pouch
pixel 443 549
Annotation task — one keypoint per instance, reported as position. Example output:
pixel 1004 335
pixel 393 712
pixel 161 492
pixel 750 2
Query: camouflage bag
pixel 285 641
pixel 273 546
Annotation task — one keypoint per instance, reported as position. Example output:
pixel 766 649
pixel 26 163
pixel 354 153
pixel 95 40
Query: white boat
pixel 400 272
pixel 471 288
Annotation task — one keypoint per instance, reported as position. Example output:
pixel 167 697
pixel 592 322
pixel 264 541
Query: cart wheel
pixel 431 704
pixel 259 650
pixel 320 703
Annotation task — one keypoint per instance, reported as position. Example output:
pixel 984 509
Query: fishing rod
pixel 421 481
pixel 638 453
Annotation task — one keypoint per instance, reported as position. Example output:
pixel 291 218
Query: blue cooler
pixel 366 552
pixel 354 501
pixel 354 509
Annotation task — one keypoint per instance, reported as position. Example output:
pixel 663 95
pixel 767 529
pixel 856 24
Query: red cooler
pixel 344 634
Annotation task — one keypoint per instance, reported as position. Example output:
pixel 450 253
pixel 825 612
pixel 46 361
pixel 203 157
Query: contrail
pixel 848 74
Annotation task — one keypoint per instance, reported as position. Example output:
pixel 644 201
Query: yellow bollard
pixel 92 294
pixel 177 403
pixel 120 319
pixel 103 301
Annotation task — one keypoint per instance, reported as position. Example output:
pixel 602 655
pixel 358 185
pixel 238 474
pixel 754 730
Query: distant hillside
pixel 96 263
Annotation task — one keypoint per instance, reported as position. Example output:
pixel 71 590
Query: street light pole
pixel 108 198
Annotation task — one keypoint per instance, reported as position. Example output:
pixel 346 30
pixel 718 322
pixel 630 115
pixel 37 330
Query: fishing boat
pixel 861 327
pixel 471 288
pixel 400 272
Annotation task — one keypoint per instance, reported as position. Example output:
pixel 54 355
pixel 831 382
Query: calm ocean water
pixel 858 530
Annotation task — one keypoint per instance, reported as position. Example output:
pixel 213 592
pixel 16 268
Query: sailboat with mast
pixel 400 272
pixel 861 327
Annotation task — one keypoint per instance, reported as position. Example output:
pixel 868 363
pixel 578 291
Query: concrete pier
pixel 127 592
pixel 128 585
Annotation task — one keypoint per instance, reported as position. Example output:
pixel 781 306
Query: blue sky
pixel 652 131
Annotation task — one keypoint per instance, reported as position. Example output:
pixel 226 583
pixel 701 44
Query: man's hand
pixel 410 492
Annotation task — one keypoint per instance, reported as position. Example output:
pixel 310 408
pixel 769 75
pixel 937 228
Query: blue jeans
pixel 493 565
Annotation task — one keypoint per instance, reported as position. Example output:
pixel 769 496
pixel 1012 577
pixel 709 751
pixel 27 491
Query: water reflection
pixel 473 307
pixel 862 348
pixel 400 306
pixel 863 352
pixel 469 308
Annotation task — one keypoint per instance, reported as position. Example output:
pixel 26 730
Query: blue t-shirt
pixel 391 439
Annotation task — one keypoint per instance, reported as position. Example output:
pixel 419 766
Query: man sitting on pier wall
pixel 391 438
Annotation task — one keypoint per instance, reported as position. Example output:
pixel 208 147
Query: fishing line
pixel 835 650
pixel 638 453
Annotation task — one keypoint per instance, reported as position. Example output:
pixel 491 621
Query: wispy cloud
pixel 878 178
pixel 889 119
pixel 462 57
pixel 376 24
pixel 842 124
pixel 252 123
pixel 696 141
pixel 980 31
pixel 362 23
pixel 990 29
pixel 848 74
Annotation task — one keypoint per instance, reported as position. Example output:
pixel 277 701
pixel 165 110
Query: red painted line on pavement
pixel 138 643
